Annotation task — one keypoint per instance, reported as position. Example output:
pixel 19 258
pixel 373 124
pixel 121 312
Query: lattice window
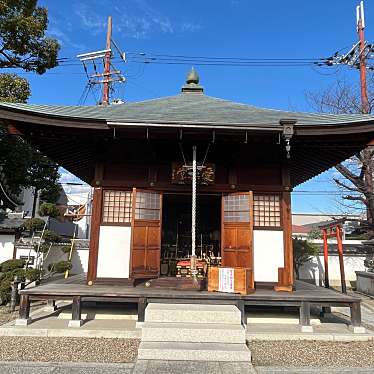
pixel 266 210
pixel 236 208
pixel 117 207
pixel 147 206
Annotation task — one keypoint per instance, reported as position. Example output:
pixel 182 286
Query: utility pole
pixel 366 153
pixel 109 74
pixel 108 55
pixel 360 17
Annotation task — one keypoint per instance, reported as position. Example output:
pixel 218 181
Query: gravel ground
pixel 306 353
pixel 68 349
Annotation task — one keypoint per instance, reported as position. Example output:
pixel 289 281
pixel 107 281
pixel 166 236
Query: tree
pixel 22 37
pixel 303 252
pixel 24 45
pixel 13 88
pixel 357 173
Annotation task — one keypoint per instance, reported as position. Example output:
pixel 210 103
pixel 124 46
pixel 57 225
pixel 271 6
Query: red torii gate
pixel 330 230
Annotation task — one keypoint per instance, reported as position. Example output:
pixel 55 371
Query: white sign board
pixel 226 280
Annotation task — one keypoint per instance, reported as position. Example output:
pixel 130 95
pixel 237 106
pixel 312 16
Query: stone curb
pixel 33 364
pixel 136 334
pixel 70 333
pixel 311 370
pixel 310 337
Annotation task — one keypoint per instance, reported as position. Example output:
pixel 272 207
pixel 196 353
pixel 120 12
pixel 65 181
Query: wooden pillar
pixel 95 232
pixel 356 314
pixel 286 274
pixel 241 306
pixel 326 257
pixel 24 307
pixel 341 260
pixel 76 310
pixel 305 313
pixel 287 237
pixel 142 304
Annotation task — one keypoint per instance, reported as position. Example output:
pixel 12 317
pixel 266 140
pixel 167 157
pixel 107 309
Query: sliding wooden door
pixel 237 230
pixel 146 234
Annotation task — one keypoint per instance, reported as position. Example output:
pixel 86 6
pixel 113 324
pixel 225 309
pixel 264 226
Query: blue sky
pixel 226 28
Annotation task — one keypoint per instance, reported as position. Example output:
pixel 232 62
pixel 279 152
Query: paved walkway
pixel 164 367
pixel 318 370
pixel 192 367
pixel 141 367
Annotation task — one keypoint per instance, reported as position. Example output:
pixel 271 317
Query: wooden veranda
pixel 75 289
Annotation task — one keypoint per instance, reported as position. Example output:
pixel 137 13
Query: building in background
pixel 355 253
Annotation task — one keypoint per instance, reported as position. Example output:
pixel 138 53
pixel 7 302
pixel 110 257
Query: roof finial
pixel 192 83
pixel 192 77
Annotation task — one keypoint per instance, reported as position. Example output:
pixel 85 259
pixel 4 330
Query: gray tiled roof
pixel 10 223
pixel 188 108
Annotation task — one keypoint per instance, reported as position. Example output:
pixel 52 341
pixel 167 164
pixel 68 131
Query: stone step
pixel 193 351
pixel 193 313
pixel 193 332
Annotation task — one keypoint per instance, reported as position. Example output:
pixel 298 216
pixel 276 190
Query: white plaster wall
pixel 26 253
pixel 6 247
pixel 313 271
pixel 268 254
pixel 80 261
pixel 114 252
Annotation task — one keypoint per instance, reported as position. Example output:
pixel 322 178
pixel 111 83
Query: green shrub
pixel 49 210
pixel 51 237
pixel 64 248
pixel 33 274
pixel 43 248
pixel 19 273
pixel 4 297
pixel 10 265
pixel 5 289
pixel 34 224
pixel 369 264
pixel 60 267
pixel 303 251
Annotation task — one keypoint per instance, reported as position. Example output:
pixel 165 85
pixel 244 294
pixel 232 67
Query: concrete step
pixel 192 313
pixel 193 332
pixel 193 351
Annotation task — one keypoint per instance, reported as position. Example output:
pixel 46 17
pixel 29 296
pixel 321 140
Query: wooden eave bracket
pixel 288 132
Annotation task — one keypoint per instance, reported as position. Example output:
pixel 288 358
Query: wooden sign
pixel 182 174
pixel 235 280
